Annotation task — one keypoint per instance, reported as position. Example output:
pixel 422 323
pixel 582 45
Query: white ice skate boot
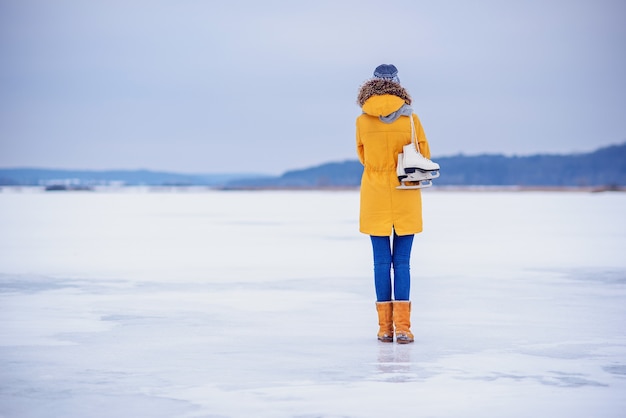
pixel 414 161
pixel 414 170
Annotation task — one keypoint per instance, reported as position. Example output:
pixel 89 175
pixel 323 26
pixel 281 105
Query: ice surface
pixel 261 304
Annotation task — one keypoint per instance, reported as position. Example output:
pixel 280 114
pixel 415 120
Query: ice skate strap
pixel 414 134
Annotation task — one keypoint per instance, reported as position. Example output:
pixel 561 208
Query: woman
pixel 381 131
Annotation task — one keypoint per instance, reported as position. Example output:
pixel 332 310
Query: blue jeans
pixel 400 259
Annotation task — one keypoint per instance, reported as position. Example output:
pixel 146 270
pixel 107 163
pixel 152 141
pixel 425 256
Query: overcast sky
pixel 267 86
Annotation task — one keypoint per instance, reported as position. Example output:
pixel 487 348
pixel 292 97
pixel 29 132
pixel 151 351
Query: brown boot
pixel 385 321
pixel 402 321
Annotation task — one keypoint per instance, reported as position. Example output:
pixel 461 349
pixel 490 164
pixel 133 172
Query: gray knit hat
pixel 387 72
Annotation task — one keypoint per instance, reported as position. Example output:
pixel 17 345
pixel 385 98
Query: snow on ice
pixel 239 304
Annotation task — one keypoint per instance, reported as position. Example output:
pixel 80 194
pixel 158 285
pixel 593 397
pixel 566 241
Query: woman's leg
pixel 402 245
pixel 382 267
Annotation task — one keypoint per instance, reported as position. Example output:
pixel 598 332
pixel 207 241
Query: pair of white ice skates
pixel 414 170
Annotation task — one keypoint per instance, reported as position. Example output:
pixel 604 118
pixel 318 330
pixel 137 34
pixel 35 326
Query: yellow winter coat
pixel 383 207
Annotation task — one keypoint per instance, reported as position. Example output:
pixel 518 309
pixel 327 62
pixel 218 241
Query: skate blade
pixel 421 185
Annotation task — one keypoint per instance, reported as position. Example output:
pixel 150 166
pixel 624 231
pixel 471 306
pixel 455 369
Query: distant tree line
pixel 605 167
pixel 76 178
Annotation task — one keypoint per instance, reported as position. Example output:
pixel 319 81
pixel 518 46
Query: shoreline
pixel 178 189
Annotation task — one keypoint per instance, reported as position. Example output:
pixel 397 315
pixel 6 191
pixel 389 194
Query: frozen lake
pixel 261 304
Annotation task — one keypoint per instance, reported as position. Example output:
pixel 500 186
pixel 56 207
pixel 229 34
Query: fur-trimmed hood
pixel 378 87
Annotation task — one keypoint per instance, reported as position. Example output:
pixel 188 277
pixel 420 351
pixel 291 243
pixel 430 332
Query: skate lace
pixel 414 137
pixel 417 145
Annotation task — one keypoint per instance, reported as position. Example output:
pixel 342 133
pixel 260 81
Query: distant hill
pixel 44 177
pixel 605 167
pixel 335 174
